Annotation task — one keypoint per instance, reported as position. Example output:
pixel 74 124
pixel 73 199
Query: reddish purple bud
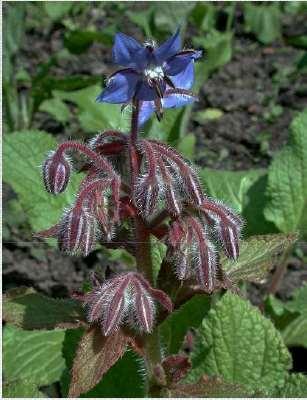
pixel 192 252
pixel 56 172
pixel 227 224
pixel 126 298
pixel 176 367
pixel 77 232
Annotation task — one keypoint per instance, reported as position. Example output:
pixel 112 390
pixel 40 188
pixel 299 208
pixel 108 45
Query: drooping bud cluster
pixel 191 242
pixel 56 172
pixel 165 176
pixel 125 299
pixel 96 209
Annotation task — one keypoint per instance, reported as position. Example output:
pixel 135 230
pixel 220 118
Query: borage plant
pixel 140 194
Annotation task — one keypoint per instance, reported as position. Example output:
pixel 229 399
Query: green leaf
pixel 240 345
pixel 230 186
pixel 264 21
pixel 287 181
pixel 295 333
pixel 93 116
pixel 298 303
pixel 158 252
pixel 208 114
pixel 57 108
pixel 186 146
pixel 23 153
pixel 21 388
pixel 33 355
pixel 57 9
pixel 189 315
pixel 78 42
pixel 295 386
pixel 218 52
pixel 25 308
pixel 170 15
pixel 95 355
pixel 258 254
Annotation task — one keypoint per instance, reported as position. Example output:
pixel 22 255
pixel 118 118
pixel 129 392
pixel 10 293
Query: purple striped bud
pixel 192 252
pixel 77 232
pixel 126 298
pixel 56 172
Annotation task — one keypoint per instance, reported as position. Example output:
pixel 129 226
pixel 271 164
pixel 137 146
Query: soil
pixel 257 104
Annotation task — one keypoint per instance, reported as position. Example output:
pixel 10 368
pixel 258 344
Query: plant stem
pixel 134 120
pixel 143 259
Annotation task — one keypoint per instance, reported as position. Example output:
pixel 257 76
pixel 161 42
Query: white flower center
pixel 154 73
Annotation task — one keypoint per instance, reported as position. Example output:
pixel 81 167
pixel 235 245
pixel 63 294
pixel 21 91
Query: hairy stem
pixel 143 258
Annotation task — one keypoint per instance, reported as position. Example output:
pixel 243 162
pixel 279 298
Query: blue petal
pixel 147 93
pixel 177 100
pixel 179 62
pixel 168 48
pixel 120 87
pixel 185 79
pixel 128 52
pixel 147 108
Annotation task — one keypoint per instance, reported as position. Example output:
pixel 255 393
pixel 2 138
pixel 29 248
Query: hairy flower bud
pixel 77 232
pixel 126 298
pixel 56 172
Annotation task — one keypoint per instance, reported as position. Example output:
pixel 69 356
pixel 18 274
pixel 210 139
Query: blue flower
pixel 158 77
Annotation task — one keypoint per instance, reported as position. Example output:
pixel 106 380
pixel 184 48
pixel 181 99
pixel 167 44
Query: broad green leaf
pixel 27 309
pixel 21 388
pixel 33 355
pixel 78 42
pixel 95 355
pixel 264 21
pixel 94 117
pixel 186 146
pixel 143 19
pixel 298 303
pixel 258 254
pixel 57 108
pixel 295 386
pixel 158 252
pixel 124 379
pixel 218 52
pixel 23 153
pixel 170 15
pixel 295 334
pixel 189 315
pixel 229 186
pixel 241 346
pixel 57 9
pixel 287 181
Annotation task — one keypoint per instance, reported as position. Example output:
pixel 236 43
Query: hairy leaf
pixel 33 355
pixel 240 345
pixel 295 333
pixel 21 388
pixel 287 181
pixel 23 153
pixel 95 355
pixel 295 386
pixel 209 387
pixel 299 301
pixel 189 315
pixel 257 256
pixel 57 109
pixel 27 309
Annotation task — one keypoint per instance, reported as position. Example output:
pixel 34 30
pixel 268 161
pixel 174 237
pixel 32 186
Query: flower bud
pixel 56 172
pixel 77 232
